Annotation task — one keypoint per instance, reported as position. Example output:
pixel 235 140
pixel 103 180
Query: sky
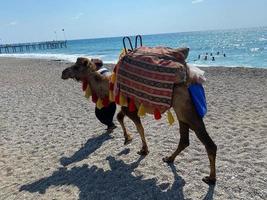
pixel 36 20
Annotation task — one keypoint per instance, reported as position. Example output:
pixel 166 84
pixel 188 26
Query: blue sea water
pixel 243 47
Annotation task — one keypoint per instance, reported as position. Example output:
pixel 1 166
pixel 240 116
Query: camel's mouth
pixel 67 74
pixel 77 79
pixel 65 77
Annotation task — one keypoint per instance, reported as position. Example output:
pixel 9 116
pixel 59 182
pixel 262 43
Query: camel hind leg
pixel 184 142
pixel 136 119
pixel 185 112
pixel 211 149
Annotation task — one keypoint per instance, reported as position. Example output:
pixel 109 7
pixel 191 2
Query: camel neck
pixel 98 83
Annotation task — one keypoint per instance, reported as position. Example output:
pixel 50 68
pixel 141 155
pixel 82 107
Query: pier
pixel 28 47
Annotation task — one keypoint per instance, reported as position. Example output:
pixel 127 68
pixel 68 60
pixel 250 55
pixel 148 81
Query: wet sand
pixel 52 146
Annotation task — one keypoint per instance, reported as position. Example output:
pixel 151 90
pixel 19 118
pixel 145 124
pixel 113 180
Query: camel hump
pixel 167 53
pixel 148 74
pixel 159 61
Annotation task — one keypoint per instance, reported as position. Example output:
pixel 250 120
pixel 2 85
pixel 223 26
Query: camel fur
pixel 182 105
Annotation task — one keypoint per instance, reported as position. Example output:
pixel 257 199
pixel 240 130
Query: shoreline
pixel 52 146
pixel 110 63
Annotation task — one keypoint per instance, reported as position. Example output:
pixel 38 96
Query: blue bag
pixel 198 97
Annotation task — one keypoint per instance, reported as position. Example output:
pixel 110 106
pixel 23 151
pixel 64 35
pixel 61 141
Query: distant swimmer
pixel 198 56
pixel 224 55
pixel 210 54
pixel 213 59
pixel 218 53
pixel 206 58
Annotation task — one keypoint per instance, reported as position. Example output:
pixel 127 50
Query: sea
pixel 245 47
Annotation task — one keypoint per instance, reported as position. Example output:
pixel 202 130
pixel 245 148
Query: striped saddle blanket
pixel 148 75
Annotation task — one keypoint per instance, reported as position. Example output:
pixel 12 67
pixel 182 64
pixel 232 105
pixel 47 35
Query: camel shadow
pixel 116 183
pixel 90 146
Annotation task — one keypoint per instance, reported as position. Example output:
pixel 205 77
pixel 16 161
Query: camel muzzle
pixel 65 74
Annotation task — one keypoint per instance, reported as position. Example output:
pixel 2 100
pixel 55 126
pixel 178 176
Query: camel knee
pixel 139 127
pixel 211 148
pixel 204 137
pixel 120 116
pixel 184 142
pixel 184 134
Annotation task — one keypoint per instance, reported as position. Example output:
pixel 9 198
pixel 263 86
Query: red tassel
pixel 111 86
pixel 94 97
pixel 157 114
pixel 84 84
pixel 117 98
pixel 105 101
pixel 131 105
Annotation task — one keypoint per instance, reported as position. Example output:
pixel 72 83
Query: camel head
pixel 79 70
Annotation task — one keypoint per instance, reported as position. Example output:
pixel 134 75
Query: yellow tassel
pixel 123 101
pixel 99 103
pixel 88 92
pixel 141 111
pixel 170 117
pixel 113 77
pixel 111 96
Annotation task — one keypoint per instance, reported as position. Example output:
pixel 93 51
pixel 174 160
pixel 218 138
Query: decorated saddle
pixel 145 76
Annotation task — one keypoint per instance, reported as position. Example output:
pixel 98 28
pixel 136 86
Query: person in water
pixel 105 115
pixel 213 59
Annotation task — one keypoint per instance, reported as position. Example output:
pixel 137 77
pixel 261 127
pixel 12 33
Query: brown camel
pixel 186 114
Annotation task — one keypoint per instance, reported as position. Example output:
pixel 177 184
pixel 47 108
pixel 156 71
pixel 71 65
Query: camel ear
pixel 85 62
pixel 184 51
pixel 97 62
pixel 79 60
pixel 82 61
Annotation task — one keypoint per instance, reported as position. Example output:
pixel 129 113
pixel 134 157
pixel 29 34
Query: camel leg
pixel 136 119
pixel 127 137
pixel 185 111
pixel 211 149
pixel 184 142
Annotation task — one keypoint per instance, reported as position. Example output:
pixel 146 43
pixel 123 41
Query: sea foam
pixel 51 56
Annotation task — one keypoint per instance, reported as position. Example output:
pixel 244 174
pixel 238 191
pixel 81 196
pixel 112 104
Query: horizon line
pixel 146 34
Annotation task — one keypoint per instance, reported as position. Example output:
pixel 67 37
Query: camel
pixel 182 104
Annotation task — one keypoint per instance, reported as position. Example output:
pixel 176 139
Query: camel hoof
pixel 143 152
pixel 209 181
pixel 128 140
pixel 167 160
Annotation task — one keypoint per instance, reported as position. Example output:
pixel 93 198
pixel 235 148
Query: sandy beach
pixel 52 146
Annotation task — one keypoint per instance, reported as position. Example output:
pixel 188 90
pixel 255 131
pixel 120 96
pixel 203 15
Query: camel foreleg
pixel 137 121
pixel 127 137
